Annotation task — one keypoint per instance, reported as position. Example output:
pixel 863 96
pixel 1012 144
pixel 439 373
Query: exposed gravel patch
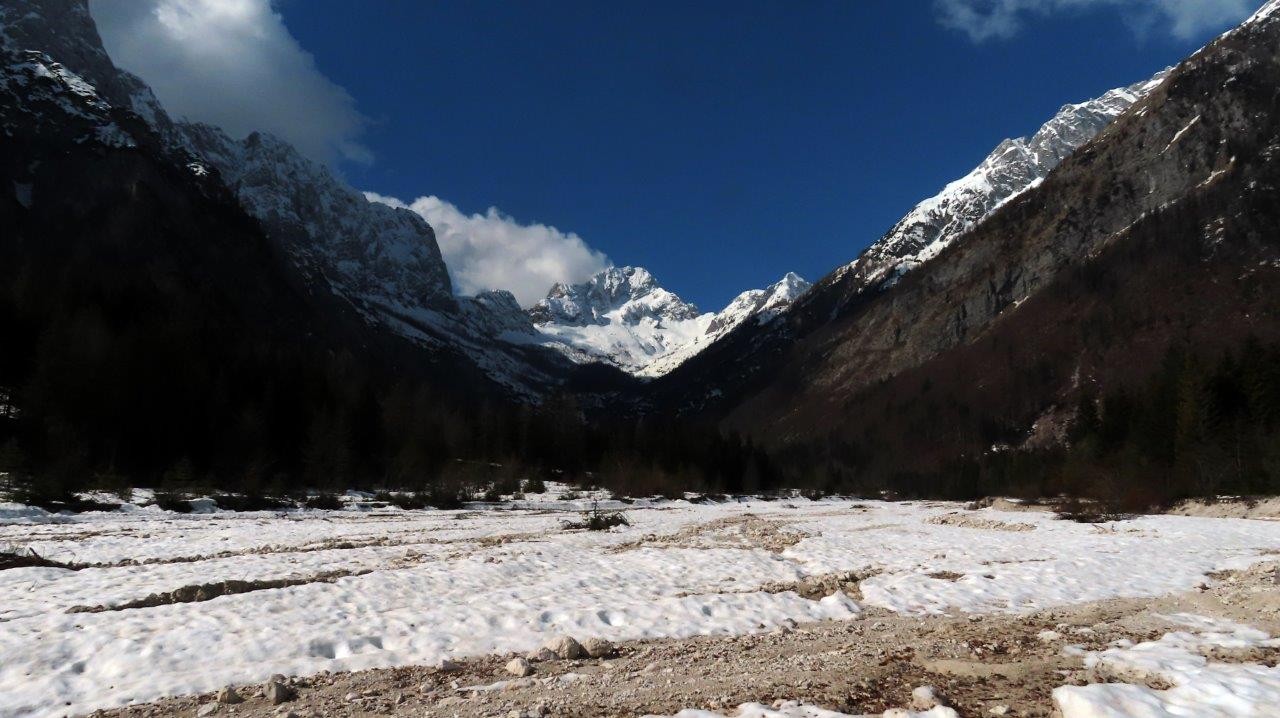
pixel 970 521
pixel 742 531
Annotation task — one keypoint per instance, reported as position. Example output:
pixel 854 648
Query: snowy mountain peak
pixel 622 316
pixel 618 294
pixel 761 305
pixel 1015 166
pixel 764 304
pixel 785 290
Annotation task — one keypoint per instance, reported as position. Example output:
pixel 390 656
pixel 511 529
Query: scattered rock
pixel 999 711
pixel 444 665
pixel 597 647
pixel 925 698
pixel 276 693
pixel 520 667
pixel 542 654
pixel 565 647
pixel 229 696
pixel 520 683
pixel 207 709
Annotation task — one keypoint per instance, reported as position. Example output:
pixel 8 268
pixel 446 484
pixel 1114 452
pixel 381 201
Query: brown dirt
pixel 742 531
pixel 1266 508
pixel 816 587
pixel 210 591
pixel 861 666
pixel 970 521
pixel 30 559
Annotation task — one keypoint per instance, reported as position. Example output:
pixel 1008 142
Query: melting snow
pixel 428 585
pixel 1202 687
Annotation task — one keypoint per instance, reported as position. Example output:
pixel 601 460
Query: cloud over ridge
pixel 984 20
pixel 233 64
pixel 494 251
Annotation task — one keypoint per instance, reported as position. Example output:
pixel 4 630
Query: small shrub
pixel 1082 512
pixel 247 502
pixel 535 485
pixel 172 502
pixel 323 502
pixel 442 498
pixel 411 502
pixel 597 520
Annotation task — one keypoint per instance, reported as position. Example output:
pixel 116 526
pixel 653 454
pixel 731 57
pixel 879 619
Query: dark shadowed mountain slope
pixel 346 254
pixel 1162 230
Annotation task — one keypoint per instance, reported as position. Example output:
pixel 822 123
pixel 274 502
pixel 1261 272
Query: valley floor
pixel 845 605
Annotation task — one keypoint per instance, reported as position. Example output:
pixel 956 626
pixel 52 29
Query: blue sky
pixel 717 144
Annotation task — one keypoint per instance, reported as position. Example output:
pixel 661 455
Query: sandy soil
pixel 1267 509
pixel 868 665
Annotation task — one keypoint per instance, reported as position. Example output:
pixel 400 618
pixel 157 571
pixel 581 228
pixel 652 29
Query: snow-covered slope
pixel 1014 167
pixel 621 316
pixel 758 304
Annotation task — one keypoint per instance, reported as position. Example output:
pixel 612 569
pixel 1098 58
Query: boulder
pixel 542 654
pixel 597 647
pixel 277 692
pixel 519 667
pixel 565 647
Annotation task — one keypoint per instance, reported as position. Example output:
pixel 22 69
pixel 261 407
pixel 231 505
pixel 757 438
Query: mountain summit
pixel 622 316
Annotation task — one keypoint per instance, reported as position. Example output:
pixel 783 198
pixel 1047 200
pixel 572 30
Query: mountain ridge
pixel 1190 161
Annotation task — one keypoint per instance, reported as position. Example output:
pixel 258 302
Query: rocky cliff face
pixel 380 258
pixel 64 30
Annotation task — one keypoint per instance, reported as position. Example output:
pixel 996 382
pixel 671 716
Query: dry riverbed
pixel 980 665
pixel 832 605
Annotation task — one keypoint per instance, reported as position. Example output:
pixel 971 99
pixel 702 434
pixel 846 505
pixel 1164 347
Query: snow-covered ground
pixel 1198 685
pixel 426 585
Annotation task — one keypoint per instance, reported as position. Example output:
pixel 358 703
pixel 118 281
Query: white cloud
pixel 232 63
pixel 983 20
pixel 494 251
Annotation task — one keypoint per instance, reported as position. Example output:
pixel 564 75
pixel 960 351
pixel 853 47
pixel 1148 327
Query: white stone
pixel 519 667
